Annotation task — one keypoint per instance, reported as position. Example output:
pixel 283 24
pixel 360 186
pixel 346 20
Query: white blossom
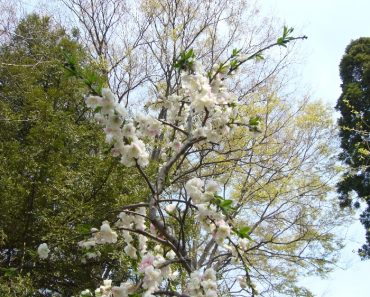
pixel 171 255
pixel 170 208
pixel 93 101
pixel 43 251
pixel 130 250
pixel 86 293
pixel 212 186
pixel 242 282
pixel 106 234
pixel 223 230
pixel 123 290
pixel 194 189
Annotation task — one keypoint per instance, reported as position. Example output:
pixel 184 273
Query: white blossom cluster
pixel 202 285
pixel 128 222
pixel 212 221
pixel 153 266
pixel 125 134
pixel 199 108
pixel 102 236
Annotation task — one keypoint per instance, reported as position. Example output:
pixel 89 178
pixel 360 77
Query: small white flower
pixel 130 250
pixel 223 231
pixel 210 274
pixel 158 249
pixel 43 251
pixel 93 101
pixel 107 283
pixel 123 290
pixel 127 236
pixel 106 234
pixel 243 243
pixel 170 208
pixel 212 186
pixel 146 261
pixel 194 189
pixel 242 282
pixel 107 94
pixel 88 243
pixel 86 292
pixel 171 255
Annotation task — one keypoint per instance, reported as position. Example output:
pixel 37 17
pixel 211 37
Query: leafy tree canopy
pixel 56 179
pixel 354 106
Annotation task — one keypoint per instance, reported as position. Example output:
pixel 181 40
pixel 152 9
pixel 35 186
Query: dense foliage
pixel 354 106
pixel 56 179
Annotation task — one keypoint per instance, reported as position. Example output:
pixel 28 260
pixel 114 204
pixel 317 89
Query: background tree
pixel 281 183
pixel 56 179
pixel 354 123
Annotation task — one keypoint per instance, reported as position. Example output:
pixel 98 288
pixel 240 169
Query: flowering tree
pixel 189 236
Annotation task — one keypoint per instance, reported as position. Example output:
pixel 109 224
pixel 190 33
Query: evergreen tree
pixel 354 106
pixel 56 180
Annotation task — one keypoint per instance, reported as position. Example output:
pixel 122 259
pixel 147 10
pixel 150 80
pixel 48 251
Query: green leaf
pixel 255 121
pixel 189 54
pixel 233 64
pixel 218 198
pixel 226 204
pixel 185 61
pixel 98 109
pixel 285 31
pixel 280 41
pixel 243 232
pixel 235 52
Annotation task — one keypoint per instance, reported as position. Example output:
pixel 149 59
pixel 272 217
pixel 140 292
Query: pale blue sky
pixel 330 25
